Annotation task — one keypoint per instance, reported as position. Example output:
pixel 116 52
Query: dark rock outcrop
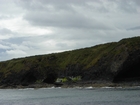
pixel 50 78
pixel 130 70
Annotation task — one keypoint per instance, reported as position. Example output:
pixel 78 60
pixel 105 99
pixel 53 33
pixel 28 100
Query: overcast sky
pixel 34 27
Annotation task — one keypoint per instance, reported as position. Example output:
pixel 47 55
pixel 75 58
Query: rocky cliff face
pixel 113 62
pixel 130 69
pixel 122 63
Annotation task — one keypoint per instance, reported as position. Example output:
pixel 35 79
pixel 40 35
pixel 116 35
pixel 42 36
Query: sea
pixel 71 96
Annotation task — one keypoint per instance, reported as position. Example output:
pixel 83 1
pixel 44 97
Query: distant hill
pixel 115 62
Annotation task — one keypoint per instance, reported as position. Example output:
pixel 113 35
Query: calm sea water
pixel 71 96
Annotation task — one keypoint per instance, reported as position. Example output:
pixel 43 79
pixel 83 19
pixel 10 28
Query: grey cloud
pixel 127 6
pixel 2 50
pixel 4 31
pixel 4 17
pixel 137 2
pixel 64 20
pixel 61 4
pixel 134 28
pixel 72 24
pixel 62 14
pixel 3 46
pixel 10 48
pixel 16 40
pixel 9 8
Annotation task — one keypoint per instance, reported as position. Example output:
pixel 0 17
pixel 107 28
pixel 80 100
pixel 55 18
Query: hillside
pixel 115 62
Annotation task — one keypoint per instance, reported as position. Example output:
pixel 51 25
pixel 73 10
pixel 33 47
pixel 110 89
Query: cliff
pixel 114 62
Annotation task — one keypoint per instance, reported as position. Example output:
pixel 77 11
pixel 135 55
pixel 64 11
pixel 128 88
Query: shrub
pixel 78 78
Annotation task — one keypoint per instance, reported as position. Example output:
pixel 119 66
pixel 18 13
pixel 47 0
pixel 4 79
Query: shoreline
pixel 96 84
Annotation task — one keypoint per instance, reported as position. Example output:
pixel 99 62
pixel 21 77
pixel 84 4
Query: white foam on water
pixel 27 89
pixel 90 87
pixel 78 87
pixel 107 87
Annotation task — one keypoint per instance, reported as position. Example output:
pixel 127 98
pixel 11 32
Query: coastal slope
pixel 113 62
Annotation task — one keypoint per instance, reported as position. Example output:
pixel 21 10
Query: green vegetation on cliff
pixel 104 61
